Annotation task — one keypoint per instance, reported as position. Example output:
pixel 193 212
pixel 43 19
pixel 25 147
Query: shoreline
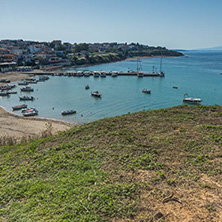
pixel 13 76
pixel 18 127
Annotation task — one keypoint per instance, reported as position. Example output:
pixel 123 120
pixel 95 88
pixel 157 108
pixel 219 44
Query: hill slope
pixel 160 165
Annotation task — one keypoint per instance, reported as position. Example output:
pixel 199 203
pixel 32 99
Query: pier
pixel 113 74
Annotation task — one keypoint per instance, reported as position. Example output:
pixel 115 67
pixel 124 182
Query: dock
pixel 113 74
pixel 98 73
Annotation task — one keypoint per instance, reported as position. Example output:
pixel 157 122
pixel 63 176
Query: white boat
pixel 191 99
pixel 30 112
pixel 96 94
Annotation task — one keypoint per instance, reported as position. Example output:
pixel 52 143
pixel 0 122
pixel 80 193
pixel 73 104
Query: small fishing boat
pixel 12 92
pixel 191 99
pixel 27 89
pixel 30 112
pixel 23 106
pixel 68 112
pixel 140 74
pixel 4 93
pixel 4 81
pixel 87 87
pixel 43 78
pixel 31 81
pixel 22 83
pixel 86 74
pixel 175 87
pixel 102 74
pixel 26 98
pixel 96 94
pixel 114 74
pixel 79 74
pixel 96 74
pixel 146 91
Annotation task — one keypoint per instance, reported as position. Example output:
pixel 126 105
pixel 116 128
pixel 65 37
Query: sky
pixel 174 24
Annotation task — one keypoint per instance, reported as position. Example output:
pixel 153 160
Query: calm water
pixel 198 74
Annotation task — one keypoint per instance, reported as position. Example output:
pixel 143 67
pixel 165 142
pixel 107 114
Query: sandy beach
pixel 18 127
pixel 13 76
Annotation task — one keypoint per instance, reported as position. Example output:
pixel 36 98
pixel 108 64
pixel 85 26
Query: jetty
pixel 103 74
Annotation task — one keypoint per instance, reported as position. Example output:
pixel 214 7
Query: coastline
pixel 19 127
pixel 13 76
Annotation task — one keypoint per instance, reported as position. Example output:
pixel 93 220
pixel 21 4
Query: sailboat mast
pixel 161 64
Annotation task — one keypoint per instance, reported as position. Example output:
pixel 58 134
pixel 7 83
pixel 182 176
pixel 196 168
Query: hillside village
pixel 25 55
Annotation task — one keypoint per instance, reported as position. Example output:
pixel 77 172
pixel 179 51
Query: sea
pixel 197 73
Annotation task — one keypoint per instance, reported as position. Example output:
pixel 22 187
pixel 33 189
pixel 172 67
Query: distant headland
pixel 15 54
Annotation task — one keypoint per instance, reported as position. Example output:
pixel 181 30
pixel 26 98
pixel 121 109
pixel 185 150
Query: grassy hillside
pixel 160 165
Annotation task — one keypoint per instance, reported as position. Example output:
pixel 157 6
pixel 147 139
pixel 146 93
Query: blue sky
pixel 175 24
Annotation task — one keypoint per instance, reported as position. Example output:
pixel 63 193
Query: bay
pixel 197 73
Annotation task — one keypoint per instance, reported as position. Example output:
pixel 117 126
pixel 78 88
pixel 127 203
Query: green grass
pixel 92 172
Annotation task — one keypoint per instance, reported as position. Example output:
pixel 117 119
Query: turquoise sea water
pixel 197 73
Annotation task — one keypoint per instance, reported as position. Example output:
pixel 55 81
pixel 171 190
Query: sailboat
pixel 139 68
pixel 161 73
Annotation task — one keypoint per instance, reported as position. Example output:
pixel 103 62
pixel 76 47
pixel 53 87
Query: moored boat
pixel 43 78
pixel 26 98
pixel 96 74
pixel 12 92
pixel 30 112
pixel 114 74
pixel 27 89
pixel 96 94
pixel 4 93
pixel 102 74
pixel 146 91
pixel 87 87
pixel 140 74
pixel 86 74
pixel 68 112
pixel 22 83
pixel 191 99
pixel 5 81
pixel 23 106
